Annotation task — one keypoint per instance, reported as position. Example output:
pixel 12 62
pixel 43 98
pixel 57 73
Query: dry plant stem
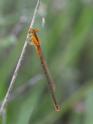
pixel 19 62
pixel 26 87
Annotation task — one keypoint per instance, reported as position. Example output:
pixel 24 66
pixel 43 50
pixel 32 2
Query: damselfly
pixel 34 40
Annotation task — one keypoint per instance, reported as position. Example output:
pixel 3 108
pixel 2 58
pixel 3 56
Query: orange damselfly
pixel 34 40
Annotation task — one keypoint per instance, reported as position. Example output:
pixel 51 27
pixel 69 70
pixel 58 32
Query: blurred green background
pixel 67 43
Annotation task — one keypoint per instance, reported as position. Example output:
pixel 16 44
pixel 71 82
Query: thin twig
pixel 25 88
pixel 19 62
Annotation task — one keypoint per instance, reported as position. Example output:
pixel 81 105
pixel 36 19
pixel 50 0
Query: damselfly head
pixel 31 30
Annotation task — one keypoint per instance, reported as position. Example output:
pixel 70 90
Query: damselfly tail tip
pixel 57 108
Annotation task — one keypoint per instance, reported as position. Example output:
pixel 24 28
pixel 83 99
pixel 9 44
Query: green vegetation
pixel 67 43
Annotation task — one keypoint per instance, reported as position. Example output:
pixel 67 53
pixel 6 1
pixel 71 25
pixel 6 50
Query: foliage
pixel 67 40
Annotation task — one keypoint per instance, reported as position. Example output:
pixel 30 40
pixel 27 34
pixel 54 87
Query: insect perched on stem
pixel 34 40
